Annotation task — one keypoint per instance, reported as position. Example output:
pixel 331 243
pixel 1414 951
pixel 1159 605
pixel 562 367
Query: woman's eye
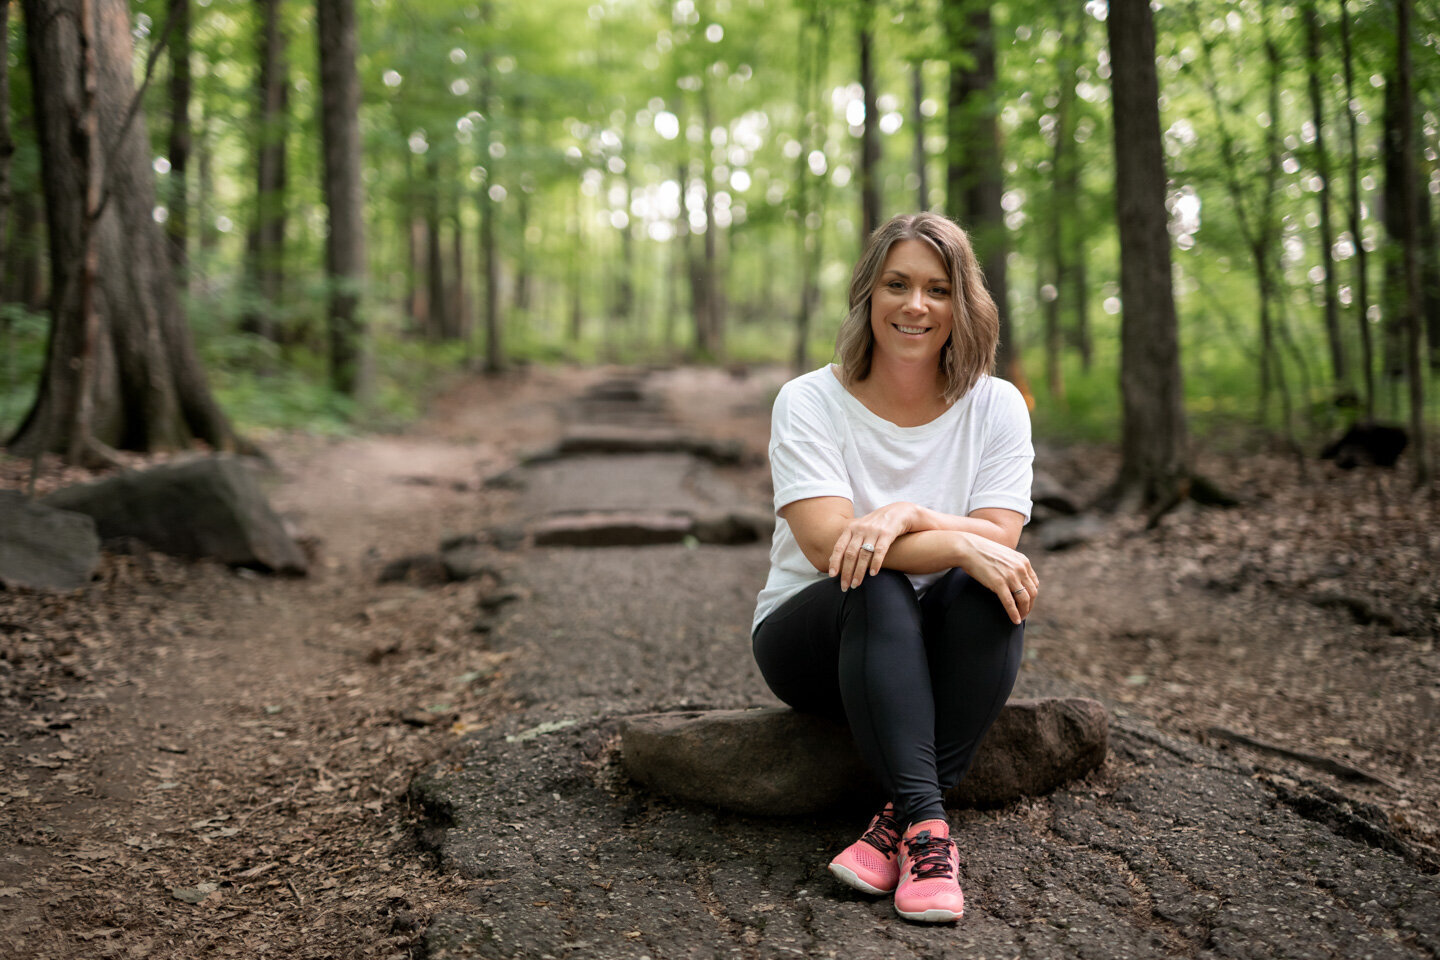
pixel 940 292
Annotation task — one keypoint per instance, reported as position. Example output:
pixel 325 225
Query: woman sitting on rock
pixel 896 598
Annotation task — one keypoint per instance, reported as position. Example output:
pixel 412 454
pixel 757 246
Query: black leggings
pixel 919 680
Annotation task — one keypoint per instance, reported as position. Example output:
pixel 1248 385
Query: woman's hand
pixel 1005 571
pixel 864 541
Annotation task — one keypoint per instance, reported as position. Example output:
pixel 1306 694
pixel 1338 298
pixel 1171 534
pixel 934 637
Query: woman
pixel 896 598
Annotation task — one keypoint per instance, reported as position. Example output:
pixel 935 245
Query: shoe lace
pixel 884 834
pixel 930 856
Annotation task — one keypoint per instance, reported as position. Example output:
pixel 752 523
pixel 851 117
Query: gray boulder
pixel 776 761
pixel 204 507
pixel 44 548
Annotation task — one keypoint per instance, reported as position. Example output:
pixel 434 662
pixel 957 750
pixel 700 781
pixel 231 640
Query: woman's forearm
pixel 928 551
pixel 927 519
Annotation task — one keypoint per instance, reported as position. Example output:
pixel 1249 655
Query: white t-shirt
pixel 826 443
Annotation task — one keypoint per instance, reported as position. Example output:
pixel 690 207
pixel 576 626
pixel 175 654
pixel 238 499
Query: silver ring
pixel 868 546
pixel 1019 590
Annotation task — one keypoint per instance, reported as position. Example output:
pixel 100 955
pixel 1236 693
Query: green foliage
pixel 594 130
pixel 22 358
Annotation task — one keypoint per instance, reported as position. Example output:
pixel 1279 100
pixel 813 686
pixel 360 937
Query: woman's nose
pixel 916 301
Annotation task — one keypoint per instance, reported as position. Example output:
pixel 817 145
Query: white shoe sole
pixel 931 916
pixel 851 879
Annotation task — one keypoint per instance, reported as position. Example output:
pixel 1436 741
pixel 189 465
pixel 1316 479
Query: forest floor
pixel 197 762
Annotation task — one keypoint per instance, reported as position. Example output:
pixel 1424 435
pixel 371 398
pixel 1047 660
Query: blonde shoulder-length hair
pixel 969 353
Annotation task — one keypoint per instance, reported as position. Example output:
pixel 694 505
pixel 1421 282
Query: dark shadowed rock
pixel 420 569
pixel 733 529
pixel 1062 533
pixel 205 507
pixel 778 761
pixel 44 548
pixel 1049 493
pixel 468 562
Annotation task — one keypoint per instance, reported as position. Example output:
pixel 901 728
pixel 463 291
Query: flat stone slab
pixel 622 528
pixel 44 548
pixel 642 483
pixel 613 440
pixel 776 761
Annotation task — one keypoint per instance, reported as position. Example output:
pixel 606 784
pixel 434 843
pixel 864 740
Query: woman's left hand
pixel 864 541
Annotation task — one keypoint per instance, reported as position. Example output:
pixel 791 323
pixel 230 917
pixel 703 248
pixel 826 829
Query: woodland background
pixel 220 216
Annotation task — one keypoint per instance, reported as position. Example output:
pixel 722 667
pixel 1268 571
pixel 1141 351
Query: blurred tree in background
pixel 657 180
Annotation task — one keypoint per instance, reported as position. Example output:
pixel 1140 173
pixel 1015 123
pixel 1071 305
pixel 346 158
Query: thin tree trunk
pixel 1362 279
pixel 870 212
pixel 714 311
pixel 459 305
pixel 1410 203
pixel 7 150
pixel 265 245
pixel 436 326
pixel 344 198
pixel 1062 227
pixel 177 224
pixel 974 181
pixel 1155 459
pixel 1338 367
pixel 489 256
pixel 917 119
pixel 205 189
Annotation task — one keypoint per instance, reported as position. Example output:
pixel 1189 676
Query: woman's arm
pixel 831 537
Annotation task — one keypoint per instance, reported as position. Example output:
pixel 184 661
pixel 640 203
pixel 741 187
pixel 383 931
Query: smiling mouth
pixel 910 330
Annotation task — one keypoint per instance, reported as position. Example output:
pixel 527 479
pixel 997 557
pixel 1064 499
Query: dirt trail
pixel 181 731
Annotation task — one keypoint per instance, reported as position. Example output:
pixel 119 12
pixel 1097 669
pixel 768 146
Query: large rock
pixel 778 761
pixel 44 548
pixel 204 507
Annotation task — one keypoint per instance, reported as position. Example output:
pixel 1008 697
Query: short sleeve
pixel 1006 465
pixel 806 459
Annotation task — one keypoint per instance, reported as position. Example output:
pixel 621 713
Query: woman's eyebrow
pixel 906 276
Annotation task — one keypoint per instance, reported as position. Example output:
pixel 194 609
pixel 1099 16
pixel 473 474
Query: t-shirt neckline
pixel 880 423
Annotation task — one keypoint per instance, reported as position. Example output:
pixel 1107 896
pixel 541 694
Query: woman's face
pixel 910 307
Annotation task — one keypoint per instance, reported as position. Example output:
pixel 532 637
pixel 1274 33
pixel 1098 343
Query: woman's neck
pixel 905 395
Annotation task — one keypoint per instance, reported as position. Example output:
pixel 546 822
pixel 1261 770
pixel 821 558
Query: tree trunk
pixel 1362 283
pixel 489 256
pixel 459 303
pixel 974 181
pixel 870 211
pixel 205 188
pixel 437 327
pixel 713 326
pixel 177 223
pixel 1395 209
pixel 1155 461
pixel 340 138
pixel 917 119
pixel 1410 240
pixel 148 390
pixel 265 245
pixel 1062 244
pixel 7 148
pixel 1338 367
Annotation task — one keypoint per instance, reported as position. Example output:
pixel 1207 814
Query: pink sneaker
pixel 871 863
pixel 929 888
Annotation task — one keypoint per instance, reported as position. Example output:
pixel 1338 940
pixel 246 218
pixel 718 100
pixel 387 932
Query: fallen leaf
pixel 194 894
